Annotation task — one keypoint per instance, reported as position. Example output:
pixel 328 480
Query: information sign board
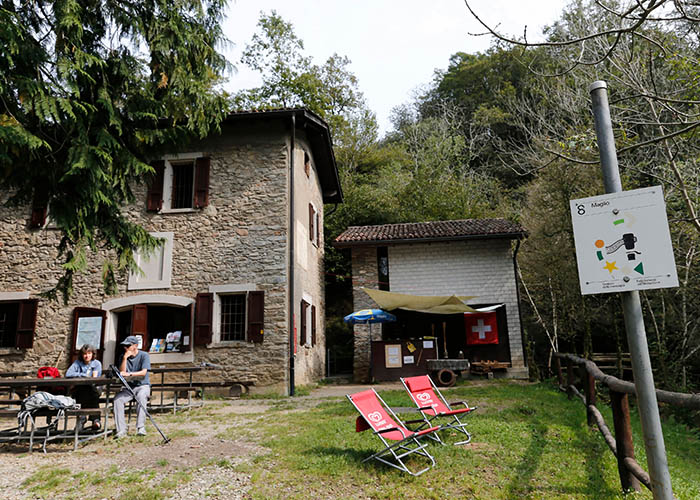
pixel 623 242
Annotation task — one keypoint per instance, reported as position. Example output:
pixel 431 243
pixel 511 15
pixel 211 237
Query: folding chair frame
pixel 400 449
pixel 429 413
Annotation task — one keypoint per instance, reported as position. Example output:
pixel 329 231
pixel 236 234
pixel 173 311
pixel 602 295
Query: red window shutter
pixel 256 316
pixel 302 337
pixel 187 329
pixel 201 182
pixel 313 325
pixel 26 323
pixel 203 318
pixel 139 324
pixel 154 199
pixel 87 312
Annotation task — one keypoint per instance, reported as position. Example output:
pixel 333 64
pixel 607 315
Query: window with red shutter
pixel 181 184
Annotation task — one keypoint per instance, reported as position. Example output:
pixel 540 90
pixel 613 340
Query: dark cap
pixel 130 340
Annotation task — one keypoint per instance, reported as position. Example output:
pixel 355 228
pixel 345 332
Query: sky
pixel 394 46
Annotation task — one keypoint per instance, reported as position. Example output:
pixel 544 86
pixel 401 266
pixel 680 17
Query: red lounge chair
pixel 432 405
pixel 399 441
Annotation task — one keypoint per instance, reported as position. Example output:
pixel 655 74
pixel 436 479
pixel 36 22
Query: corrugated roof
pixel 430 231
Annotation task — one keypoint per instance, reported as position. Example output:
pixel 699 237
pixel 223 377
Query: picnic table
pixel 55 430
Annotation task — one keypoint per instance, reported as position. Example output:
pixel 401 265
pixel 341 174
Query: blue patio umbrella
pixel 369 316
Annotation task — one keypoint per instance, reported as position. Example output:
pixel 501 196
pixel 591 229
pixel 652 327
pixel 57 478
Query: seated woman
pixel 87 395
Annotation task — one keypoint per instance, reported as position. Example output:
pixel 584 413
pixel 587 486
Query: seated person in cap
pixel 87 395
pixel 133 362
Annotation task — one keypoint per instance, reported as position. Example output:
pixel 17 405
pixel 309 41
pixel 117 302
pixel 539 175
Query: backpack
pixel 48 372
pixel 45 401
pixel 41 400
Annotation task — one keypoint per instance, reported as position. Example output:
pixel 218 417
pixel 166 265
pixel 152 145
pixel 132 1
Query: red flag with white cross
pixel 482 328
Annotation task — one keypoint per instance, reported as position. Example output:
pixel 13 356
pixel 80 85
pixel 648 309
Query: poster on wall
pixel 392 356
pixel 89 331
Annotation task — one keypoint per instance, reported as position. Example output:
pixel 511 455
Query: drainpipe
pixel 291 258
pixel 517 295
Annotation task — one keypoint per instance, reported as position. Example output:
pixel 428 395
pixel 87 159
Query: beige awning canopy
pixel 444 304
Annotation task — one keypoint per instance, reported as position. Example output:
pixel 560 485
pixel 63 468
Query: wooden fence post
pixel 560 377
pixel 623 438
pixel 569 377
pixel 589 389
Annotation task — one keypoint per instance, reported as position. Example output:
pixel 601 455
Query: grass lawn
pixel 529 441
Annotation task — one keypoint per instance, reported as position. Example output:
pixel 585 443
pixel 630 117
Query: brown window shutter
pixel 311 222
pixel 87 312
pixel 201 182
pixel 313 325
pixel 26 323
pixel 139 324
pixel 318 228
pixel 302 336
pixel 256 316
pixel 203 318
pixel 187 329
pixel 154 199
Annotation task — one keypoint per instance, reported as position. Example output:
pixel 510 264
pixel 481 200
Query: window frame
pixel 232 289
pixel 168 176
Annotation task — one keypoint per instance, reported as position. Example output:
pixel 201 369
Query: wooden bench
pixel 55 429
pixel 607 362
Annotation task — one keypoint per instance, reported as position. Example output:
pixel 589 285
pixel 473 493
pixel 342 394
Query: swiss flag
pixel 482 328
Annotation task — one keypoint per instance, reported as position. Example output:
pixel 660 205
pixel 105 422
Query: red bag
pixel 52 372
pixel 48 372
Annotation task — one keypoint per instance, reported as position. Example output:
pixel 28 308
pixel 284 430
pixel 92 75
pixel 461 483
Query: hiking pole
pixel 126 385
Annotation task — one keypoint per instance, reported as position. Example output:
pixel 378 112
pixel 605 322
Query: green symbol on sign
pixel 618 222
pixel 599 254
pixel 640 268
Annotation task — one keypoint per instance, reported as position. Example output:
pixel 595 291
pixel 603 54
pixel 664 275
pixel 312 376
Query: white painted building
pixel 466 258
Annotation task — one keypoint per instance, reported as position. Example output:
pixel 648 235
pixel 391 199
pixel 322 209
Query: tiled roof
pixel 430 231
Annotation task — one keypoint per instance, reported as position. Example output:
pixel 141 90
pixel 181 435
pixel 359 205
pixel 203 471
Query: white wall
pixel 483 268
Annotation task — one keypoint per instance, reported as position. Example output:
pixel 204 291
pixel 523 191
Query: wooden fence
pixel 621 444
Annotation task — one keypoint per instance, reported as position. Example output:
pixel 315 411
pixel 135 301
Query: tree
pixel 647 51
pixel 90 91
pixel 291 79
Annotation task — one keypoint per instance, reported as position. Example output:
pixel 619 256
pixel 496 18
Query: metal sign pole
pixel 634 321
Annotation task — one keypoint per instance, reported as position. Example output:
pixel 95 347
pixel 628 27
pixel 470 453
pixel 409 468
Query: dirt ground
pixel 205 447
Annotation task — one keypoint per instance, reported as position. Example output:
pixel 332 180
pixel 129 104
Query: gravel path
pixel 205 446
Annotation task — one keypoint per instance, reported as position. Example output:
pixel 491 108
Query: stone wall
pixel 364 274
pixel 241 238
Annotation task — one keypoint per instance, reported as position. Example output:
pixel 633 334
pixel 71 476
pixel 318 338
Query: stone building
pixel 238 281
pixel 470 259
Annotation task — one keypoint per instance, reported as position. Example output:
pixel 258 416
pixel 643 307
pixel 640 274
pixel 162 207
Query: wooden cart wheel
pixel 446 378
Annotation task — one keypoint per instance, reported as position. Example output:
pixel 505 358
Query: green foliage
pixel 90 92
